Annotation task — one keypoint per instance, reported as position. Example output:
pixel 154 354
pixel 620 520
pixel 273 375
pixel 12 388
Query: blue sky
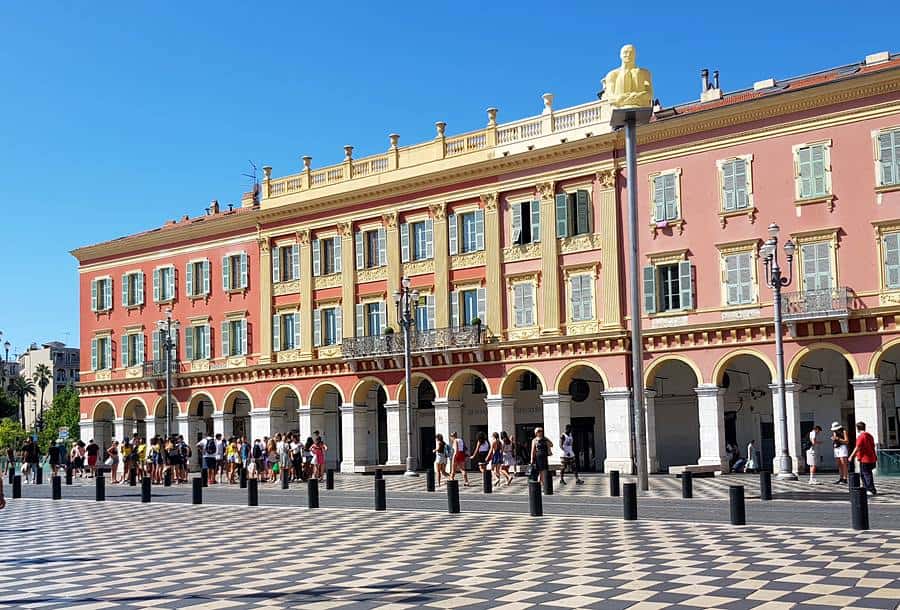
pixel 116 116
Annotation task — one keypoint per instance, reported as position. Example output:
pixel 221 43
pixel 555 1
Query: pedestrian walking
pixel 509 457
pixel 319 450
pixel 93 453
pixel 841 442
pixel 751 465
pixel 30 459
pixel 494 458
pixel 458 461
pixel 480 451
pixel 812 453
pixel 112 460
pixel 864 452
pixel 441 452
pixel 54 455
pixel 207 449
pixel 541 450
pixel 567 445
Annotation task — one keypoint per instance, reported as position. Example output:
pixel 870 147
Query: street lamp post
pixel 166 327
pixel 406 301
pixel 6 374
pixel 776 281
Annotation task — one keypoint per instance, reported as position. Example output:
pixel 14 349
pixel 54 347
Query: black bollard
pixel 100 490
pixel 69 475
pixel 629 501
pixel 197 489
pixel 285 483
pixel 329 478
pixel 736 502
pixel 132 477
pixel 252 492
pixel 243 477
pixel 765 485
pixel 487 481
pixel 12 474
pixel 859 508
pixel 535 503
pixel 379 473
pixel 453 496
pixel 167 478
pixel 380 494
pixel 17 486
pixel 56 483
pixel 312 492
pixel 204 475
pixel 429 479
pixel 39 475
pixel 145 489
pixel 614 483
pixel 548 482
pixel 853 480
pixel 687 484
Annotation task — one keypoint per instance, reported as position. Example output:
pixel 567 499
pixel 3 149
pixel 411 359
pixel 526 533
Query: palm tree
pixel 42 376
pixel 21 387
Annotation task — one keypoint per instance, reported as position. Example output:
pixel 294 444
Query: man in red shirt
pixel 865 453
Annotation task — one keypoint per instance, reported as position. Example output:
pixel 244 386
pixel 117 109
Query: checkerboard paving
pixel 70 555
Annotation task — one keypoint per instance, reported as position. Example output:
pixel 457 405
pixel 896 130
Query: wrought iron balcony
pixel 156 369
pixel 812 305
pixel 421 342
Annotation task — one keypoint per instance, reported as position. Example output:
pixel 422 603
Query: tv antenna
pixel 253 174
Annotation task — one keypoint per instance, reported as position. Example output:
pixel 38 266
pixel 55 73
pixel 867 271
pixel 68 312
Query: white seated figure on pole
pixel 628 86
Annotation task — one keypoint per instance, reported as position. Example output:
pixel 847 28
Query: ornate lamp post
pixel 406 301
pixel 776 282
pixel 166 328
pixel 6 375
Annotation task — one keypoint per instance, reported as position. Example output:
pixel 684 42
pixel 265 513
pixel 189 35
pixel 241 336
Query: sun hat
pixel 835 426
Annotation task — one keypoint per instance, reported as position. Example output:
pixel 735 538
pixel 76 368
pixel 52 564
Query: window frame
pixel 746 247
pixel 805 238
pixel 828 195
pixel 243 275
pixel 679 210
pixel 191 278
pixel 880 185
pixel 660 259
pixel 750 208
pixel 107 294
pixel 884 228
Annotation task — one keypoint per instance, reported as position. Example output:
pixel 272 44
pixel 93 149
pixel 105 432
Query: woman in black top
pixel 541 450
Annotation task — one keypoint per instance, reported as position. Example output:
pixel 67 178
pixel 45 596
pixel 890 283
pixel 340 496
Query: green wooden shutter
pixel 583 211
pixel 685 283
pixel 889 157
pixel 382 317
pixel 454 309
pixel 360 252
pixel 107 295
pixel 276 333
pixel 732 282
pixel 892 260
pixel 94 295
pixel 562 215
pixel 535 209
pixel 207 341
pixel 338 325
pixel 429 238
pixel 336 251
pixel 728 194
pixel 226 274
pixel 154 343
pixel 482 306
pixel 429 311
pixel 206 277
pixel 276 264
pixel 140 348
pixel 125 302
pixel 156 295
pixel 245 337
pixel 575 290
pixel 360 320
pixel 226 339
pixel 108 350
pixel 317 257
pixel 124 345
pixel 453 234
pixel 382 247
pixel 516 223
pixel 189 343
pixel 659 199
pixel 587 296
pixel 650 289
pixel 818 169
pixel 295 262
pixel 404 242
pixel 188 281
pixel 745 277
pixel 140 288
pixel 740 184
pixel 317 327
pixel 670 197
pixel 244 270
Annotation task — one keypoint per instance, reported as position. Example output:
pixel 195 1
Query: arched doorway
pixel 200 417
pixel 134 417
pixel 323 416
pixel 822 394
pixel 422 418
pixel 886 383
pixel 236 409
pixel 102 419
pixel 519 410
pixel 283 406
pixel 466 410
pixel 673 419
pixel 580 388
pixel 749 404
pixel 365 431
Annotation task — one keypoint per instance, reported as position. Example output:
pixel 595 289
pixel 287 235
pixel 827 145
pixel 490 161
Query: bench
pixel 696 470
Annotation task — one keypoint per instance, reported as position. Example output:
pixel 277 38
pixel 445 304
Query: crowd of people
pixel 266 459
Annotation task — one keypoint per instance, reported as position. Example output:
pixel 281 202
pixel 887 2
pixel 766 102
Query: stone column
pixel 354 437
pixel 394 265
pixel 441 267
pixel 396 432
pixel 182 424
pixel 610 310
pixel 867 405
pixel 550 317
pixel 493 282
pixel 260 423
pixel 447 417
pixel 348 277
pixel 150 427
pixel 219 426
pixel 791 394
pixel 264 333
pixel 650 421
pixel 119 429
pixel 306 295
pixel 86 430
pixel 711 412
pixel 501 414
pixel 619 455
pixel 309 419
pixel 557 415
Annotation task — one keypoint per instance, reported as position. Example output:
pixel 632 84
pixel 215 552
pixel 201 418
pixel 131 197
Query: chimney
pixel 704 81
pixel 214 207
pixel 709 91
pixel 715 79
pixel 230 207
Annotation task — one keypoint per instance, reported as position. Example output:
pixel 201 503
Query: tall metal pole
pixel 637 346
pixel 407 365
pixel 168 345
pixel 785 466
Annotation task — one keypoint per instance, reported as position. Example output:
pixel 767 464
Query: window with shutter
pixel 295 262
pixel 226 339
pixel 581 289
pixel 535 210
pixel 276 332
pixel 888 150
pixel 583 214
pixel 276 264
pixel 734 185
pixel 812 168
pixel 516 223
pixel 816 266
pixel 669 287
pixel 316 257
pixel 336 263
pixel 739 289
pixel 359 244
pixel 404 243
pixel 892 260
pixel 665 197
pixel 453 234
pixel 562 215
pixel 468 232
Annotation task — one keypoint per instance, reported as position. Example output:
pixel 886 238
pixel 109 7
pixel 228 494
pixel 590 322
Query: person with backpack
pixel 256 469
pixel 541 450
pixel 185 451
pixel 207 448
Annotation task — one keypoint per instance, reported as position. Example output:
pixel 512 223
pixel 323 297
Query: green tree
pixel 42 376
pixel 21 388
pixel 9 406
pixel 11 434
pixel 63 413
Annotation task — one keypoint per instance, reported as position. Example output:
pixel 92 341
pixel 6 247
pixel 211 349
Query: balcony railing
pixel 421 342
pixel 156 369
pixel 815 304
